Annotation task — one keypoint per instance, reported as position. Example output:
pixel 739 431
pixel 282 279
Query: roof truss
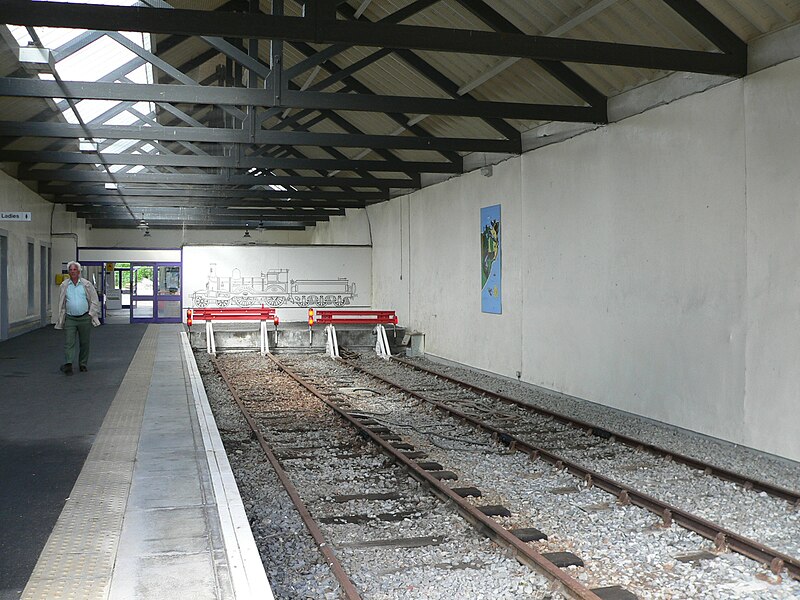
pixel 263 132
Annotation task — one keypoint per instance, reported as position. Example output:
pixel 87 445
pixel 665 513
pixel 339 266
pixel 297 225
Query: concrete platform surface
pixel 154 511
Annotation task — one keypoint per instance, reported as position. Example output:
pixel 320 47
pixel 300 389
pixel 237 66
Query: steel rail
pixel 348 588
pixel 791 496
pixel 722 537
pixel 523 553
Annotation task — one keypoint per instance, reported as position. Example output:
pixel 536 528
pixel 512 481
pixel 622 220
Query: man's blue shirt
pixel 77 304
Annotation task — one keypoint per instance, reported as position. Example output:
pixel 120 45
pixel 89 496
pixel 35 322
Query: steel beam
pixel 278 138
pixel 209 161
pixel 231 195
pixel 711 27
pixel 192 214
pixel 231 96
pixel 556 69
pixel 356 33
pixel 195 179
pixel 131 224
pixel 139 203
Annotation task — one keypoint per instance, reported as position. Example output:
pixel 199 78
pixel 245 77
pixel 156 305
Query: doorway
pixel 3 285
pixel 155 292
pixel 139 285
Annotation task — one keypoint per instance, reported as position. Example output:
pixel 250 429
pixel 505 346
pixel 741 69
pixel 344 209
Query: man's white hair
pixel 76 263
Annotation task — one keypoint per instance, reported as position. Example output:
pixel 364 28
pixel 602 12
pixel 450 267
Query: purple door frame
pixel 156 296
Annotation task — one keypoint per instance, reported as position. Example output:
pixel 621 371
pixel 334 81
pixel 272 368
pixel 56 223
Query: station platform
pixel 115 483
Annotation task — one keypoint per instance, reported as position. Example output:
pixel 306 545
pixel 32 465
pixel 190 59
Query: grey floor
pixel 48 422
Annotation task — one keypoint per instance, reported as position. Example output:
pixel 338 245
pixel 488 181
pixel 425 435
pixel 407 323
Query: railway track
pixel 587 451
pixel 748 482
pixel 358 498
pixel 519 494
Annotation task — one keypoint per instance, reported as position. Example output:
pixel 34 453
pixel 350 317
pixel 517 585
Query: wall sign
pixel 15 216
pixel 491 261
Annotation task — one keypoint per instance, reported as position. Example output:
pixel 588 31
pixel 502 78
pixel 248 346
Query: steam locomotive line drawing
pixel 273 288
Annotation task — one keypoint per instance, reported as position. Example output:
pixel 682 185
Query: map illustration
pixel 490 260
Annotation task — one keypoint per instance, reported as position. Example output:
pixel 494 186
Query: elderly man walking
pixel 78 312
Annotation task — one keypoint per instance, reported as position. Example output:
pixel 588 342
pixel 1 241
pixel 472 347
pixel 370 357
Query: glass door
pixel 155 295
pixel 168 293
pixel 143 293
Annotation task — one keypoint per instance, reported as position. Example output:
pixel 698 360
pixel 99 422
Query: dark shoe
pixel 66 369
pixel 83 368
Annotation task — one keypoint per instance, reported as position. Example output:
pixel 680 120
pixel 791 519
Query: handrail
pixel 233 314
pixel 353 317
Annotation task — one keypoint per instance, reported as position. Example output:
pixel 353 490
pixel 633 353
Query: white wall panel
pixel 16 197
pixel 636 270
pixel 773 244
pixel 652 265
pixel 129 255
pixel 170 238
pixel 239 275
pixel 390 241
pixel 445 276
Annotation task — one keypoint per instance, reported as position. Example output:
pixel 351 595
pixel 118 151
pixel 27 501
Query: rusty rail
pixel 348 588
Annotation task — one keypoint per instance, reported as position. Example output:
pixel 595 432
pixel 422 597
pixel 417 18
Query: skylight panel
pixel 141 75
pixel 95 61
pixel 124 118
pixel 91 109
pixel 120 146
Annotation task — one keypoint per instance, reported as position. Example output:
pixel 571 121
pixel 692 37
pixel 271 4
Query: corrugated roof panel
pixel 448 14
pixel 390 75
pixel 380 9
pixel 459 127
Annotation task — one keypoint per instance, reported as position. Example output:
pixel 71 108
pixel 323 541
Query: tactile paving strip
pixel 78 559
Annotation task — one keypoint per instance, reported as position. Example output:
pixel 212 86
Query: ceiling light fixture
pixel 37 59
pixel 246 231
pixel 142 223
pixel 86 145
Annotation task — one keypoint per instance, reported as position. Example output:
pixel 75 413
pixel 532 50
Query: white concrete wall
pixel 431 239
pixel 15 197
pixel 636 269
pixel 772 399
pixel 652 265
pixel 390 239
pixel 351 229
pixel 166 238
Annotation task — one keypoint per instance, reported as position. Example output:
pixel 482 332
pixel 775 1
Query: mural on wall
pixel 289 278
pixel 272 288
pixel 491 272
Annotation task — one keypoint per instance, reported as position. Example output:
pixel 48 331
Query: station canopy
pixel 280 114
